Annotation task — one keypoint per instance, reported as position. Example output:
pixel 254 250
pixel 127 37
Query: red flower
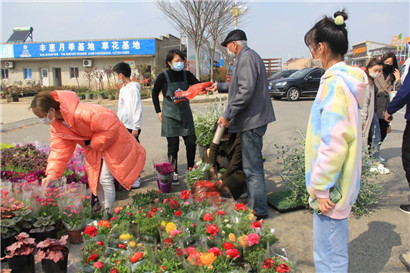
pixel 100 243
pixel 179 252
pixel 117 210
pixel 121 246
pixel 98 265
pixel 256 225
pixel 129 213
pixel 114 270
pixel 178 213
pixel 91 230
pixel 196 167
pixel 283 268
pixel 240 206
pixel 173 204
pixel 188 250
pixel 212 229
pixel 163 268
pixel 216 251
pixel 220 212
pixel 168 242
pixel 208 217
pixel 136 257
pixel 185 194
pixel 227 245
pixel 113 219
pixel 93 257
pixel 268 263
pixel 232 253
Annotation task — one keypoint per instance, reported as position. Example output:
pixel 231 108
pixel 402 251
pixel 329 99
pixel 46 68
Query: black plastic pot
pixel 5 243
pixel 41 236
pixel 51 267
pixel 22 263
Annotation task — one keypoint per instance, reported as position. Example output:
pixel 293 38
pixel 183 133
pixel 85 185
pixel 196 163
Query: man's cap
pixel 234 35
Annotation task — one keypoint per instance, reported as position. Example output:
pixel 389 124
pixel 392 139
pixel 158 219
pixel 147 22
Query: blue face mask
pixel 178 66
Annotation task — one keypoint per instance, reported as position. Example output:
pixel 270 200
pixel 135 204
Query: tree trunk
pixel 198 71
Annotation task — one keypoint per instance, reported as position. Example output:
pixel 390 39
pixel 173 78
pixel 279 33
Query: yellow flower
pixel 207 258
pixel 242 240
pixel 139 245
pixel 251 216
pixel 170 226
pixel 125 237
pixel 131 244
pixel 163 224
pixel 232 237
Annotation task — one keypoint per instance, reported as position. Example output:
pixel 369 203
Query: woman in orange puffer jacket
pixel 110 151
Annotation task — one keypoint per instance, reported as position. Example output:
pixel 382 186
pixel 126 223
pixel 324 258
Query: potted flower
pixel 53 254
pixel 72 216
pixel 20 254
pixel 44 227
pixel 164 171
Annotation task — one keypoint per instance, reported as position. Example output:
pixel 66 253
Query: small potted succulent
pixel 44 227
pixel 20 254
pixel 53 254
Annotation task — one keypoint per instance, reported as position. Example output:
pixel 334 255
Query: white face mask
pixel 230 54
pixel 47 120
pixel 374 75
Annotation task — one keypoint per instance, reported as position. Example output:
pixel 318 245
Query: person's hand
pixel 213 173
pixel 46 181
pixel 213 87
pixel 387 117
pixel 134 133
pixel 325 204
pixel 160 116
pixel 222 122
pixel 396 74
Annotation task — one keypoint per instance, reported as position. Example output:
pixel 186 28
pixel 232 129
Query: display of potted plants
pixel 53 254
pixel 44 227
pixel 20 254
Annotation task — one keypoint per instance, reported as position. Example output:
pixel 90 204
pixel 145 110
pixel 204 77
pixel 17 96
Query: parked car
pixel 304 82
pixel 281 74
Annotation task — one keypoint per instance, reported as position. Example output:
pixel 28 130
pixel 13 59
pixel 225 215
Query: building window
pixel 27 73
pixel 73 72
pixel 4 73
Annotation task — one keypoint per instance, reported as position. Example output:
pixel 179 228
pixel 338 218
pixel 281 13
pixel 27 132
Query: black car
pixel 304 82
pixel 281 74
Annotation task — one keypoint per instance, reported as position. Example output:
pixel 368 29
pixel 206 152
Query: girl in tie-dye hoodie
pixel 333 143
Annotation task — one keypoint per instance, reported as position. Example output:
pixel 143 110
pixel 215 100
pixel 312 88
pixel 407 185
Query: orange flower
pixel 243 241
pixel 104 223
pixel 207 258
pixel 136 257
pixel 232 237
pixel 195 258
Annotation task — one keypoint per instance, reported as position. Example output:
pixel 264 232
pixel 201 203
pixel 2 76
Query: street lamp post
pixel 236 12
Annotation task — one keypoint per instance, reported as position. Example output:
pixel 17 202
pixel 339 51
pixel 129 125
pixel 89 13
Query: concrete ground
pixel 376 240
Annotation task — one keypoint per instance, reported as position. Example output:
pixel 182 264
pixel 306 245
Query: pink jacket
pixel 124 156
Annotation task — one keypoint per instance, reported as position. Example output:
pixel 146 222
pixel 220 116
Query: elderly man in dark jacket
pixel 248 112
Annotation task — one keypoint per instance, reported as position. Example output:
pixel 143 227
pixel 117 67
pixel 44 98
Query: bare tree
pixel 108 72
pixel 89 75
pixel 190 17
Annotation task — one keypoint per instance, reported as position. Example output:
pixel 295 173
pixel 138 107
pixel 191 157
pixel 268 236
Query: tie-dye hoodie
pixel 333 149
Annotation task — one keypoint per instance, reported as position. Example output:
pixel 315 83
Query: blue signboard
pixel 85 48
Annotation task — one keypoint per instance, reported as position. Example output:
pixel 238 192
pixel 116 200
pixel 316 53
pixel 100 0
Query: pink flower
pixel 253 239
pixel 188 250
pixel 98 265
pixel 174 233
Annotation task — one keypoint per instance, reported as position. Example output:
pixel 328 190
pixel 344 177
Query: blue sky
pixel 274 28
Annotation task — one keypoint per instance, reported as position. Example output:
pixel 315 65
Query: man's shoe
pixel 175 180
pixel 137 184
pixel 405 259
pixel 260 217
pixel 405 208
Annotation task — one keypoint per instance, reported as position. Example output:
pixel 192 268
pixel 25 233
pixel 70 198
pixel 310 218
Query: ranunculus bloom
pixel 170 226
pixel 185 194
pixel 232 237
pixel 178 213
pixel 114 270
pixel 173 204
pixel 227 245
pixel 256 225
pixel 188 250
pixel 283 268
pixel 121 246
pixel 131 243
pixel 240 206
pixel 117 209
pixel 113 219
pixel 174 233
pixel 91 230
pixel 212 229
pixel 93 257
pixel 100 243
pixel 98 265
pixel 168 242
pixel 232 253
pixel 104 223
pixel 268 263
pixel 207 258
pixel 195 258
pixel 136 257
pixel 125 237
pixel 253 239
pixel 216 251
pixel 179 252
pixel 220 212
pixel 208 217
pixel 243 240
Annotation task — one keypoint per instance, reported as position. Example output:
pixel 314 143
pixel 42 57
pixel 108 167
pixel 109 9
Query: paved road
pixel 376 240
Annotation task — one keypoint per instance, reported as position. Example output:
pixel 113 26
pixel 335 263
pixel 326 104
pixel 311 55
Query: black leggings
pixel 405 151
pixel 173 148
pixel 384 125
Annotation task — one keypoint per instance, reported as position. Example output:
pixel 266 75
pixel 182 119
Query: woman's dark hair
pixel 370 64
pixel 327 31
pixel 395 64
pixel 171 55
pixel 44 100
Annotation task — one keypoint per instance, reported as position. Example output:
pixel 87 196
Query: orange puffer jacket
pixel 110 140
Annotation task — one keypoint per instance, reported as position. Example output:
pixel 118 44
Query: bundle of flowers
pixel 201 171
pixel 173 233
pixel 164 168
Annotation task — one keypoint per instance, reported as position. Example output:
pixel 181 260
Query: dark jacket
pixel 402 98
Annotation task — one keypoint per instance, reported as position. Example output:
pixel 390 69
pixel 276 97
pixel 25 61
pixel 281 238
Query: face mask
pixel 47 120
pixel 230 54
pixel 374 75
pixel 178 66
pixel 120 81
pixel 387 68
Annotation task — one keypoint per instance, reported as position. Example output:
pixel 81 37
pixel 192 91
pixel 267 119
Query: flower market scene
pixel 200 136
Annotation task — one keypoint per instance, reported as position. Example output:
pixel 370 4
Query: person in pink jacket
pixel 110 151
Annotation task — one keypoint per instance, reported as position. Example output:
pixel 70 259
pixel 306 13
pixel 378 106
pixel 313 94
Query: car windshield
pixel 275 75
pixel 300 73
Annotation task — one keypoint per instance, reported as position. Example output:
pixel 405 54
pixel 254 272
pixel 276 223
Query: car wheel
pixel 293 94
pixel 277 98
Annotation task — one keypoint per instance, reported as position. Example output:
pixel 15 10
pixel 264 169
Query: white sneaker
pixel 175 180
pixel 137 184
pixel 382 159
pixel 382 170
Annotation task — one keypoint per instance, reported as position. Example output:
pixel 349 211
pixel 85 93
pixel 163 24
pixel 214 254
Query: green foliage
pixel 205 122
pixel 201 171
pixel 43 224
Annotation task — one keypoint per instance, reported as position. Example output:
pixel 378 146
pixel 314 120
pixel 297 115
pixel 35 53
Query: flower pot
pixel 41 236
pixel 75 236
pixel 22 263
pixel 15 97
pixel 49 266
pixel 5 243
pixel 164 183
